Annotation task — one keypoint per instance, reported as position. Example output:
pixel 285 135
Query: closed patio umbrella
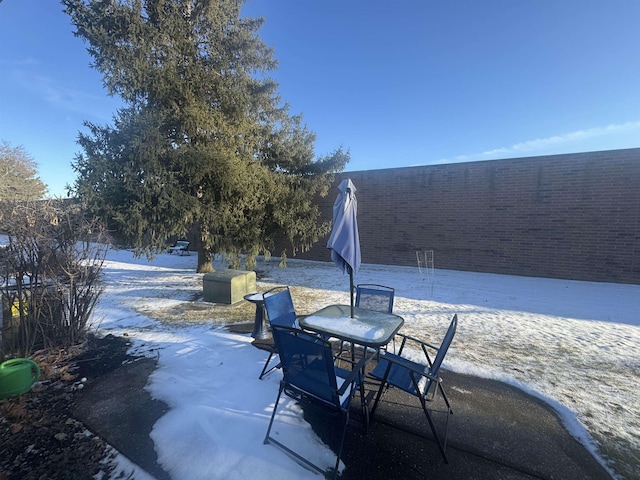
pixel 344 241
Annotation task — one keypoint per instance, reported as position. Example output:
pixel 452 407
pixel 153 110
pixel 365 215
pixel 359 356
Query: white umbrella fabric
pixel 344 240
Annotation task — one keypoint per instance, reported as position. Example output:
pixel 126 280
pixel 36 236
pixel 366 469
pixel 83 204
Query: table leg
pixel 365 404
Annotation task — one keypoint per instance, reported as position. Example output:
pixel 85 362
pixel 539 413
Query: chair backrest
pixel 279 307
pixel 375 297
pixel 307 365
pixel 442 351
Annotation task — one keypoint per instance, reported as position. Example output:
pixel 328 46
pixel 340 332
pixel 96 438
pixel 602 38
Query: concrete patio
pixel 497 431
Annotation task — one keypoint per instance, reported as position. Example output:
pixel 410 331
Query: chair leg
pixel 383 384
pixel 264 369
pixel 273 414
pixel 344 432
pixel 441 444
pixel 444 397
pixel 375 402
pixel 341 349
pixel 268 439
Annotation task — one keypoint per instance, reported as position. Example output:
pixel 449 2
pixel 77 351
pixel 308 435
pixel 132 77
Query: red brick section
pixel 574 216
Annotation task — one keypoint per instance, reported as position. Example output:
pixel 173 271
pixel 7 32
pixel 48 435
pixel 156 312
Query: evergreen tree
pixel 204 140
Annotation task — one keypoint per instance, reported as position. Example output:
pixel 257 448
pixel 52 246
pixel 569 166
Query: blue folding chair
pixel 280 311
pixel 419 379
pixel 372 297
pixel 375 297
pixel 310 377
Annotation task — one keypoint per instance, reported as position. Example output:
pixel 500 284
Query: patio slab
pixel 497 431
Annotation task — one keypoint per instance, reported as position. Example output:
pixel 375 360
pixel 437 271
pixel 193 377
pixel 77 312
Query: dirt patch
pixel 203 312
pixel 39 437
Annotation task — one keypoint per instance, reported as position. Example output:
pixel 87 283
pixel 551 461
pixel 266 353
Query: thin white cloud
pixel 596 138
pixel 64 97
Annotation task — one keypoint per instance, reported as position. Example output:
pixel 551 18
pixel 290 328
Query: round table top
pixel 254 297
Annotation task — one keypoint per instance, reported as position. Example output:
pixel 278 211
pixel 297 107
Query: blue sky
pixel 403 83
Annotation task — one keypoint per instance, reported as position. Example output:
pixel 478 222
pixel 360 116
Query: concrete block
pixel 228 286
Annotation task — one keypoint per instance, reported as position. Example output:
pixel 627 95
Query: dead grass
pixel 200 312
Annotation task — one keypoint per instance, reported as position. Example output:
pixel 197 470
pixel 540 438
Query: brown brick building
pixel 574 216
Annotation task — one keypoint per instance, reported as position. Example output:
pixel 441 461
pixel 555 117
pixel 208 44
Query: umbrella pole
pixel 351 288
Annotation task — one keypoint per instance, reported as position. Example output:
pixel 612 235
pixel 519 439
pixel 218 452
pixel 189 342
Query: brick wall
pixel 574 216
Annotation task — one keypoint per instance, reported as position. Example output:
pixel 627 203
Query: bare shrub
pixel 50 268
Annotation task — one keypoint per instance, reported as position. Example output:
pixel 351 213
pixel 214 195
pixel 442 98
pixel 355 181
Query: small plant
pixel 283 260
pixel 50 274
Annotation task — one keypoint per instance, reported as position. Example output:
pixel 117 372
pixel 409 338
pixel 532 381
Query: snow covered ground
pixel 574 344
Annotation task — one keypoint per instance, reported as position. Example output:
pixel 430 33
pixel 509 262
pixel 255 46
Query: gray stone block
pixel 228 286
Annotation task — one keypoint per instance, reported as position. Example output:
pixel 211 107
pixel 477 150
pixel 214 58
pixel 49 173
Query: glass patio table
pixel 368 328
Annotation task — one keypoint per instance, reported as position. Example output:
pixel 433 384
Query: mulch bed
pixel 39 438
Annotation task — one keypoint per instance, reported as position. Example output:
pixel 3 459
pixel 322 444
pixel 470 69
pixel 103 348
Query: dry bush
pixel 50 270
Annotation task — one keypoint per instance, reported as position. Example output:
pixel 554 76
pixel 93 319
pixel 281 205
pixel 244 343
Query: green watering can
pixel 17 375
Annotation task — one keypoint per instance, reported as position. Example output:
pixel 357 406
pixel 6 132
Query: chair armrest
pixel 420 369
pixel 417 340
pixel 352 375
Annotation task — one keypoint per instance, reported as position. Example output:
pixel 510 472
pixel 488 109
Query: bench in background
pixel 181 247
